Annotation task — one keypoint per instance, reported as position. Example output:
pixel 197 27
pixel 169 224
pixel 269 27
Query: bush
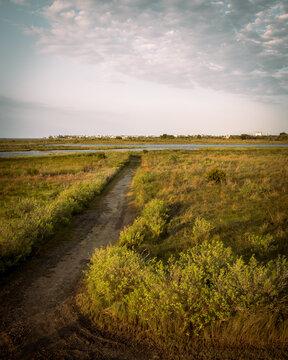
pixel 155 215
pixel 114 273
pixel 134 234
pixel 216 175
pixel 201 228
pixel 175 302
pixel 150 226
pixel 260 242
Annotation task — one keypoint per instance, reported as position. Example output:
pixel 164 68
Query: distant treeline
pixel 74 139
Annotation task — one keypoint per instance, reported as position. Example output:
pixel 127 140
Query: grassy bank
pixel 44 147
pixel 40 193
pixel 202 271
pixel 168 139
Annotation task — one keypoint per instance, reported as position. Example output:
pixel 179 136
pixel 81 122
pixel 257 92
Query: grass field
pixel 203 269
pixel 43 147
pixel 163 139
pixel 40 193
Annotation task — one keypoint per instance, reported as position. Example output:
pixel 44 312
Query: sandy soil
pixel 39 317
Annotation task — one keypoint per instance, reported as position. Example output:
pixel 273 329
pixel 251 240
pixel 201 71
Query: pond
pixel 138 147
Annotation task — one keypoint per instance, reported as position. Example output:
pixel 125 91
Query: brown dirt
pixel 39 316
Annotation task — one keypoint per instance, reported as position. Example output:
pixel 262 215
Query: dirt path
pixel 39 317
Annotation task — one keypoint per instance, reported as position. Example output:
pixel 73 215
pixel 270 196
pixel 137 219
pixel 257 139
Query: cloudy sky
pixel 143 67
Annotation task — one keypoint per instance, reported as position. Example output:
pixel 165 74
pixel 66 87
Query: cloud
pixel 235 46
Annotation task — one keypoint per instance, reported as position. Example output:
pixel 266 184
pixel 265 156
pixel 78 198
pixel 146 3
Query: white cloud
pixel 181 43
pixel 56 7
pixel 68 14
pixel 283 17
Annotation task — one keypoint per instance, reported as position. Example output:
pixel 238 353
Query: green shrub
pixel 260 242
pixel 134 234
pixel 201 228
pixel 216 175
pixel 20 207
pixel 256 285
pixel 155 215
pixel 114 273
pixel 177 301
pixel 148 227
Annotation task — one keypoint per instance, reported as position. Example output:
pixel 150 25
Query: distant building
pixel 258 133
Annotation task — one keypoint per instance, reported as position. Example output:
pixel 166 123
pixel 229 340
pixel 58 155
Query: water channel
pixel 133 147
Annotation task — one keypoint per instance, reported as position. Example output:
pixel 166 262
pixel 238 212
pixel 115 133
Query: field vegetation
pixel 40 193
pixel 202 272
pixel 43 147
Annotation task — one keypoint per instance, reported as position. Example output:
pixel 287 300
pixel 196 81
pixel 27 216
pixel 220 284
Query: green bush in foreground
pixel 177 301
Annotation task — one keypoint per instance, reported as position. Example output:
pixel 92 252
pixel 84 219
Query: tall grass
pixel 214 271
pixel 41 193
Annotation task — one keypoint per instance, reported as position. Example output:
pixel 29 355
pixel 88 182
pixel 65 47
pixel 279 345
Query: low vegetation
pixel 281 138
pixel 46 147
pixel 40 193
pixel 203 268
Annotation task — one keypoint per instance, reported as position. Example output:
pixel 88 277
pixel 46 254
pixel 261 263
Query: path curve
pixel 39 317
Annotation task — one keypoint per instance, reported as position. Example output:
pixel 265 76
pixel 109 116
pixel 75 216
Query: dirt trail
pixel 39 318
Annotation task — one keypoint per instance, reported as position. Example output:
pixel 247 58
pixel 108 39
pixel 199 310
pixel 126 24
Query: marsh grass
pixel 42 147
pixel 41 193
pixel 216 275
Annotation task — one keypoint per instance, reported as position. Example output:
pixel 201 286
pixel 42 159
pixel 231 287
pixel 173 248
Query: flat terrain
pixel 164 139
pixel 199 270
pixel 202 271
pixel 40 319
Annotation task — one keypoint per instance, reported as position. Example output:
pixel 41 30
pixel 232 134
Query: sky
pixel 143 67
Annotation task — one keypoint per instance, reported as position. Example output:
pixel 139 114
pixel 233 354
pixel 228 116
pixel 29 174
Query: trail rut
pixel 40 319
